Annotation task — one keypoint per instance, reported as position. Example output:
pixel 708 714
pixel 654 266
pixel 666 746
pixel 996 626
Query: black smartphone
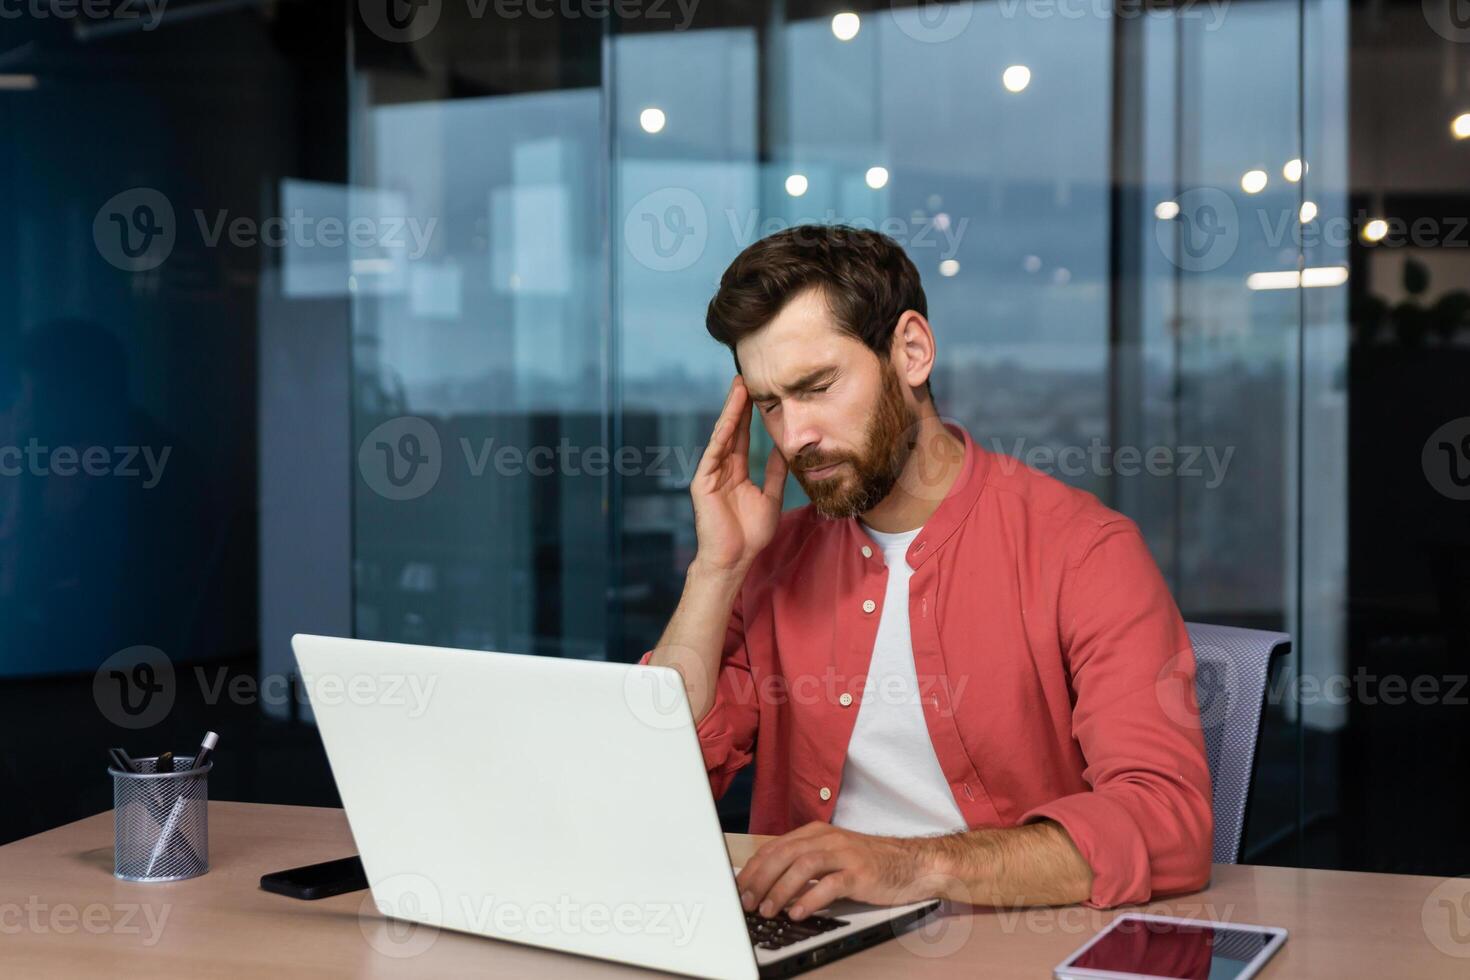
pixel 318 880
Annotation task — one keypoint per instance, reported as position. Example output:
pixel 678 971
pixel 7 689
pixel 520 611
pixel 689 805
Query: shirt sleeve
pixel 727 732
pixel 1146 825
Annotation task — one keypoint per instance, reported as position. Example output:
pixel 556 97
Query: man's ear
pixel 912 349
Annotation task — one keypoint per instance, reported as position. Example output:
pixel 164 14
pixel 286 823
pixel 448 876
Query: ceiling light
pixel 652 120
pixel 1016 78
pixel 845 26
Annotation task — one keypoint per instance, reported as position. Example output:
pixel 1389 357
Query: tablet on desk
pixel 1135 946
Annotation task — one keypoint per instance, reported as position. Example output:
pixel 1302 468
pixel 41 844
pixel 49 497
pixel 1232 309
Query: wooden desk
pixel 63 914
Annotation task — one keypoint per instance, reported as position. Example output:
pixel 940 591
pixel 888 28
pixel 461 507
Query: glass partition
pixel 1108 210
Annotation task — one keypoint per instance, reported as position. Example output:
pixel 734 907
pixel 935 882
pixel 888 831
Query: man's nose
pixel 799 432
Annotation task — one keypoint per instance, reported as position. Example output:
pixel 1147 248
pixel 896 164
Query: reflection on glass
pixel 479 372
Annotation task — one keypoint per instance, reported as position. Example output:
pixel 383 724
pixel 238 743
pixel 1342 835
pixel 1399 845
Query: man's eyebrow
pixel 806 382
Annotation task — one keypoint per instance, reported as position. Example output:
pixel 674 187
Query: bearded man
pixel 957 676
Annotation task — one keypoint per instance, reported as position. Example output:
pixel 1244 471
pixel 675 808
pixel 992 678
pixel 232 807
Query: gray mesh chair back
pixel 1231 665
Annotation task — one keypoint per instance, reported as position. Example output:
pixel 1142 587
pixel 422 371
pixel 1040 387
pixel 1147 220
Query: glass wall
pixel 1126 219
pixel 1078 189
pixel 146 161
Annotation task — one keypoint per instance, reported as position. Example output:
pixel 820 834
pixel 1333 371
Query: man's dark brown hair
pixel 866 278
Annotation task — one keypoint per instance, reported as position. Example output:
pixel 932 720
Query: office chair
pixel 1231 666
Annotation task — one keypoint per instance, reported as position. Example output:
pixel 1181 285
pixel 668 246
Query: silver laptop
pixel 556 803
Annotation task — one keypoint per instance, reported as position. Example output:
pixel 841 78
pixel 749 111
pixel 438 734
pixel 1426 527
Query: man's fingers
pixel 775 482
pixel 835 885
pixel 718 449
pixel 735 401
pixel 764 866
pixel 721 436
pixel 742 436
pixel 795 879
pixel 771 860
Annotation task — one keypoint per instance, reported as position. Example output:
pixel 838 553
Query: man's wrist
pixel 959 863
pixel 704 574
pixel 935 860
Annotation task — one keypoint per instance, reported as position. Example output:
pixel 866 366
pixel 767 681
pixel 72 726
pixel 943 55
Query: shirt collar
pixel 958 501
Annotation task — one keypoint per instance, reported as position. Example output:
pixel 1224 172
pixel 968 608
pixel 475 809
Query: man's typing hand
pixel 844 864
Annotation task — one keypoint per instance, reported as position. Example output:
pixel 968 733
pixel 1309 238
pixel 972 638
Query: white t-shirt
pixel 892 783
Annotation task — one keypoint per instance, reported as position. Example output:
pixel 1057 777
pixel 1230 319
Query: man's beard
pixel 892 429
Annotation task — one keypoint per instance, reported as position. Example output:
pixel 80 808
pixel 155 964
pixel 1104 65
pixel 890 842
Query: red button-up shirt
pixel 1055 672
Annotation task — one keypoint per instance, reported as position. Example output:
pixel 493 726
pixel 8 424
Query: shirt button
pixel 845 699
pixel 824 793
pixel 867 552
pixel 869 605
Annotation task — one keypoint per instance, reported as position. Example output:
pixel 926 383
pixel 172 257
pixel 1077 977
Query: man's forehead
pixel 786 378
pixel 803 338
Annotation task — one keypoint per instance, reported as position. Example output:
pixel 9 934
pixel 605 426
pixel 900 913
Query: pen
pixel 165 763
pixel 169 828
pixel 206 749
pixel 122 761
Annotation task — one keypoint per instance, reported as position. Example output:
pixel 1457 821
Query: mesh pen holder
pixel 161 821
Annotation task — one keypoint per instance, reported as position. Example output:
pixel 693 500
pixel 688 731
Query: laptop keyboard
pixel 782 931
